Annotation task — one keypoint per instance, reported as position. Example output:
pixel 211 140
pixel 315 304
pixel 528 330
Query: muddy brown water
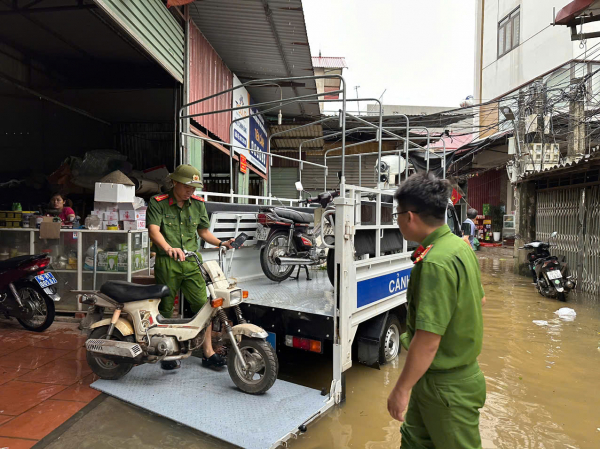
pixel 543 384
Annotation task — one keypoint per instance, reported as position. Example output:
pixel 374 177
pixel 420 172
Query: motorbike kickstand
pixel 308 278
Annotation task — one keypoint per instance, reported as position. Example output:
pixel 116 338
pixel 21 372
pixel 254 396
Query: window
pixel 509 32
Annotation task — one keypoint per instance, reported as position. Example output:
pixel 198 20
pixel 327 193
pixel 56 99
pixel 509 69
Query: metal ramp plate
pixel 208 401
pixel 314 296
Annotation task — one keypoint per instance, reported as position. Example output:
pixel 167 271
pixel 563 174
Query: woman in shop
pixel 60 203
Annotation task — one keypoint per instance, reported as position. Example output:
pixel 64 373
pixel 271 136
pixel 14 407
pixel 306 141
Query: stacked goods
pixel 14 219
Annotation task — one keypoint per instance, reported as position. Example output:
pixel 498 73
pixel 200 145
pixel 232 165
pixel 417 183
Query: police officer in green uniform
pixel 444 326
pixel 176 221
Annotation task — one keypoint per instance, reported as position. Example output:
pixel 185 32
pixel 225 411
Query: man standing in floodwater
pixel 444 326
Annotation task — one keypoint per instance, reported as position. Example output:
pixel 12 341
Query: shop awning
pixel 570 12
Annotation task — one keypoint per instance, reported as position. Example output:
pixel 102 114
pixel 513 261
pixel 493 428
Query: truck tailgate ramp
pixel 208 401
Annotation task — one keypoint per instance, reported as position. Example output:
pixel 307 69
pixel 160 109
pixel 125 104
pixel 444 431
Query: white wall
pixel 536 53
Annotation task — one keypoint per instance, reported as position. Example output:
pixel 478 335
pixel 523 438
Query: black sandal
pixel 214 360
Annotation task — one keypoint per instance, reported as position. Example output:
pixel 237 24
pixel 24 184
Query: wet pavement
pixel 542 384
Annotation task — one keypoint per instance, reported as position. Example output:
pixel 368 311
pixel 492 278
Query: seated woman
pixel 60 203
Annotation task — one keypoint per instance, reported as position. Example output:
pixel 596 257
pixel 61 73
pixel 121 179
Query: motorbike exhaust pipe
pixel 115 350
pixel 293 261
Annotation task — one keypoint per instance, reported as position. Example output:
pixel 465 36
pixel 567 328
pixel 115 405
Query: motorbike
pixel 286 237
pixel 28 292
pixel 138 334
pixel 550 275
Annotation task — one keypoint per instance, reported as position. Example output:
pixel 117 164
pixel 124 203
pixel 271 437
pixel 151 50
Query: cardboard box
pixel 114 193
pixel 102 261
pixel 122 262
pixel 132 215
pixel 111 216
pixel 50 229
pixel 112 260
pixel 134 225
pixel 106 206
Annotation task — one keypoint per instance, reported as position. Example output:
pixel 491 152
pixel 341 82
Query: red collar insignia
pixel 420 253
pixel 164 196
pixel 199 198
pixel 171 201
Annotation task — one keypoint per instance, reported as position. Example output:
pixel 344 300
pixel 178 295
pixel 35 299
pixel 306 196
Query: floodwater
pixel 543 382
pixel 543 387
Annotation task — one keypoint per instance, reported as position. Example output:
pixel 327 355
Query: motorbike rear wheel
pixel 40 306
pixel 561 296
pixel 276 246
pixel 104 368
pixel 262 363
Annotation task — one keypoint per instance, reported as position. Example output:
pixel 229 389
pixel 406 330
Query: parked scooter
pixel 549 274
pixel 141 335
pixel 27 292
pixel 286 238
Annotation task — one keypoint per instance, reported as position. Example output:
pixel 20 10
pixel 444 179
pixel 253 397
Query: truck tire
pixel 390 346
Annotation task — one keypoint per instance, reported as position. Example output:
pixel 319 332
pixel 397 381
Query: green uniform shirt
pixel 178 225
pixel 444 297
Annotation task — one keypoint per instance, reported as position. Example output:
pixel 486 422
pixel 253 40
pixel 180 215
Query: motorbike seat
pixel 294 215
pixel 122 291
pixel 15 262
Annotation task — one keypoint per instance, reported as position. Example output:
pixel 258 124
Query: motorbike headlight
pixel 235 297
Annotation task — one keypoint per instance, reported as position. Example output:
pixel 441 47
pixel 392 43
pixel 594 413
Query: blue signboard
pixel 258 141
pixel 378 288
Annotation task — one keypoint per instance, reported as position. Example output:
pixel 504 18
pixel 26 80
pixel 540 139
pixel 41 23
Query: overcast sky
pixel 422 52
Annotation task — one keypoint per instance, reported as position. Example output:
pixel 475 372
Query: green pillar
pixel 195 151
pixel 243 185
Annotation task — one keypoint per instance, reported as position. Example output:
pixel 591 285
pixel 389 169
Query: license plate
pixel 554 274
pixel 272 339
pixel 46 280
pixel 262 232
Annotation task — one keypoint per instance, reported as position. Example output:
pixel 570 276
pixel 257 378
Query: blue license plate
pixel 272 339
pixel 46 280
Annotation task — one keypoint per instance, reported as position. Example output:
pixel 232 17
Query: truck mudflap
pixel 255 422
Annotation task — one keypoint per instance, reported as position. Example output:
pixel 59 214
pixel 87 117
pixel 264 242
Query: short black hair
pixel 425 194
pixel 472 213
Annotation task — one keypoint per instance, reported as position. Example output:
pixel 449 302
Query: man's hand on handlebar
pixel 175 254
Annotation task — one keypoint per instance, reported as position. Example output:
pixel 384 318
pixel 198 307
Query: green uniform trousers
pixel 180 275
pixel 443 411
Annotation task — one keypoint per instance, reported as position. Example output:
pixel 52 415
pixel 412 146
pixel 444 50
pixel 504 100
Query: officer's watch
pixel 220 243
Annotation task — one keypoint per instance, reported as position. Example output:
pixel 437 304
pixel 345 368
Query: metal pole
pixel 444 143
pixel 359 170
pixel 95 264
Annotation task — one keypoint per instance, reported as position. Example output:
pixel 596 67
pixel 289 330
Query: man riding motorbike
pixel 176 220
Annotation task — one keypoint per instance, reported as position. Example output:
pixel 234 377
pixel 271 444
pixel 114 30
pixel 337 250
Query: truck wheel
pixel 331 265
pixel 275 246
pixel 262 366
pixel 389 347
pixel 104 368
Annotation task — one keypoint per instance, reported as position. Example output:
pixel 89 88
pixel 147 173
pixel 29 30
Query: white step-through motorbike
pixel 138 334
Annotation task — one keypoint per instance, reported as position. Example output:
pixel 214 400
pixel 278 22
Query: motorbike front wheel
pixel 39 306
pixel 104 368
pixel 276 246
pixel 261 368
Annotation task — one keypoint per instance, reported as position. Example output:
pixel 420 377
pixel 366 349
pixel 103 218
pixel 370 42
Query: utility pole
pixel 576 139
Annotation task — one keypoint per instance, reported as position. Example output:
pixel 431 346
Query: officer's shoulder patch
pixel 199 198
pixel 419 257
pixel 164 196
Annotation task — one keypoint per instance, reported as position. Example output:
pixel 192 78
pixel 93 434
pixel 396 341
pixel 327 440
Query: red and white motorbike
pixel 138 334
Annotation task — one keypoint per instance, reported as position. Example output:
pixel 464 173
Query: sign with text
pixel 249 133
pixel 381 287
pixel 243 163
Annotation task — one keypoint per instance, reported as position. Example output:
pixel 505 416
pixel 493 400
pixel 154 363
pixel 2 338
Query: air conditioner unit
pixel 541 157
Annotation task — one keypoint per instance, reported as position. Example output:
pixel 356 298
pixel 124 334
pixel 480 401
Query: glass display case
pixel 120 255
pixel 508 226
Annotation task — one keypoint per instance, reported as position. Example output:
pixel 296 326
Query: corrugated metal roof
pixel 294 137
pixel 595 155
pixel 260 39
pixel 329 62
